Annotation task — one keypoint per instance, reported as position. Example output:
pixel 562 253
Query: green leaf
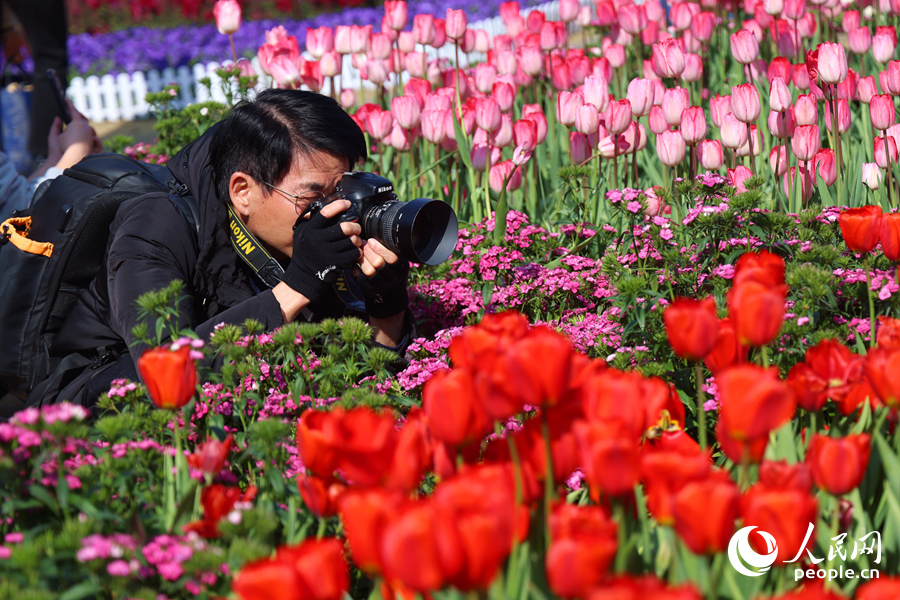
pixel 889 459
pixel 82 590
pixel 40 493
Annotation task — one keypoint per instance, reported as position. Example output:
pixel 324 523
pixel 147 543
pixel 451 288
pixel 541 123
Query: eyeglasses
pixel 307 197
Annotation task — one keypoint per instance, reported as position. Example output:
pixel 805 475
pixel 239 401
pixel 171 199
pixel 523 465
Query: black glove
pixel 385 291
pixel 321 251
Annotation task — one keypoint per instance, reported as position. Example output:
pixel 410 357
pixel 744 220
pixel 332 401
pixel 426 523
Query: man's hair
pixel 261 137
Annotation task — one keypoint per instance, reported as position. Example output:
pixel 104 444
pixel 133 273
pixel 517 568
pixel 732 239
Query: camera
pixel 421 230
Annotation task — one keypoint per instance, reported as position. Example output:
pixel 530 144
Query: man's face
pixel 271 217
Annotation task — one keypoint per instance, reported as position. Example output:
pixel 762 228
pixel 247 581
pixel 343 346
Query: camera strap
pixel 252 252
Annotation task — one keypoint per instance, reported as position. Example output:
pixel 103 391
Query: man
pixel 253 175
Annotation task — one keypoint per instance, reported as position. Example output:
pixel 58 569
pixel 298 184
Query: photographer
pixel 253 175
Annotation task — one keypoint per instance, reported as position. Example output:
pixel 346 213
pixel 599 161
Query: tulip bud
pixel 779 95
pixel 675 100
pixel 872 176
pixel 710 155
pixel 843 115
pixel 806 111
pixel 744 47
pixel 745 103
pixel 227 14
pixel 733 132
pixel 670 148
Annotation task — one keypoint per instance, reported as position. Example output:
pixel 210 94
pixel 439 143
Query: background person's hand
pixel 323 247
pixel 77 140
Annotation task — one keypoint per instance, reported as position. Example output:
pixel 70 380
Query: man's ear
pixel 243 190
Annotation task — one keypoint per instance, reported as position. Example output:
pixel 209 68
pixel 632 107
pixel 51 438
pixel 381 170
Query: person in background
pixel 46 28
pixel 65 147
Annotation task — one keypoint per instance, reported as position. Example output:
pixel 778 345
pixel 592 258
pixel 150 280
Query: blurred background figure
pixel 44 24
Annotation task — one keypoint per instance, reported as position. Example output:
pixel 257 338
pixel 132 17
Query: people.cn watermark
pixel 747 561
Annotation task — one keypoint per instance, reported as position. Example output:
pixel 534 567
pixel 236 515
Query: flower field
pixel 663 362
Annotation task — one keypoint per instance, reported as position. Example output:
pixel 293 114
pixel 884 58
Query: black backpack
pixel 72 212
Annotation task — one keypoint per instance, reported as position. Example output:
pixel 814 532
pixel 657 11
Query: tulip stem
pixel 615 162
pixel 701 400
pixel 487 183
pixel 871 301
pixel 836 129
pixel 233 51
pixel 764 353
pixel 890 184
pixel 718 565
pixel 513 592
pixel 835 520
pixel 549 495
pixel 323 523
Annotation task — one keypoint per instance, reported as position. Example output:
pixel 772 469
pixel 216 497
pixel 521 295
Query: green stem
pixel 487 184
pixel 619 516
pixel 549 496
pixel 764 354
pixel 701 399
pixel 323 523
pixel 871 299
pixel 512 591
pixel 834 531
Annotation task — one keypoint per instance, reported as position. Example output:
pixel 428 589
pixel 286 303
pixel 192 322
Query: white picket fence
pixel 123 97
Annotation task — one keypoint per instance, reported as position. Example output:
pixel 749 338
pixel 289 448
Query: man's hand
pixel 382 279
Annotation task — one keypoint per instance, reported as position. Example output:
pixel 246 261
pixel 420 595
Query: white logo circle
pixel 739 549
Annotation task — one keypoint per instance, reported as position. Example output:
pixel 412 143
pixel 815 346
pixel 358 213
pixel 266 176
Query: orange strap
pixel 15 230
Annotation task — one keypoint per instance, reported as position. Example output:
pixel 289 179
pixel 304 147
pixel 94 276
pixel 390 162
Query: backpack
pixel 50 253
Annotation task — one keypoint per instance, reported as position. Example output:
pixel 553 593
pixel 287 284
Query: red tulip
pixel 885 588
pixel 705 511
pixel 668 463
pixel 170 377
pixel 757 311
pixel 211 455
pixel 584 545
pixel 764 267
pixel 320 496
pixel 218 501
pixel 861 227
pixel 753 401
pixel 727 351
pixel 838 464
pixel 692 327
pixel 890 238
pixel 610 457
pixel 228 16
pixel 881 367
pixel 783 513
pixel 364 515
pixel 314 570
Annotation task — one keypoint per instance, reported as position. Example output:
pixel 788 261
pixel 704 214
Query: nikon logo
pixel 385 188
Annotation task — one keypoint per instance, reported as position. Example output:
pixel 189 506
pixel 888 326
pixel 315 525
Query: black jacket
pixel 151 243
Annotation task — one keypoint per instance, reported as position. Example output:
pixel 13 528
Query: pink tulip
pixel 804 177
pixel 487 114
pixel 779 95
pixel 806 141
pixel 640 95
pixel 525 134
pixel 745 103
pixel 738 176
pixel 508 172
pixel 379 124
pixel 615 54
pixel 733 132
pixel 467 42
pixel 284 70
pixel 843 116
pixel 719 106
pixel 773 7
pixel 612 145
pixel 359 38
pixel 860 40
pixel 484 75
pixel 540 122
pixel 567 104
pixel 832 63
pixel 535 20
pixel 331 64
pixel 438 102
pixel 657 120
pixel 579 147
pixel 380 47
pixel 596 92
pixel 248 71
pixel 681 15
pixel 702 25
pixel 586 119
pixel 778 160
pixel 883 47
pixel 781 125
pixel 406 111
pixel 348 98
pixel 503 137
pixel 342 34
pixel 693 125
pixel 397 13
pixel 806 111
pixel 632 18
pixel 675 100
pixel 311 74
pixel 753 147
pixel 406 42
pixel 668 58
pixel 881 158
pixel 399 139
pixel 568 10
pixel 433 125
pixel 482 160
pixel 744 47
pixel 455 24
pixel 531 60
pixel 505 61
pixel 800 77
pixel 865 89
pixel 606 13
pixel 579 66
pixel 693 68
pixel 824 164
pixel 505 95
pixel 670 148
pixel 509 9
pixel 227 14
pixel 423 29
pixel 882 111
pixel 890 78
pixel 872 176
pixel 619 116
pixel 440 33
pixel 275 34
pixel 377 71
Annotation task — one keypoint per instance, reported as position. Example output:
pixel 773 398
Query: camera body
pixel 422 230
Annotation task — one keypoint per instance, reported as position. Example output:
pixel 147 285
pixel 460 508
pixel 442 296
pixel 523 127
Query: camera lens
pixel 422 230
